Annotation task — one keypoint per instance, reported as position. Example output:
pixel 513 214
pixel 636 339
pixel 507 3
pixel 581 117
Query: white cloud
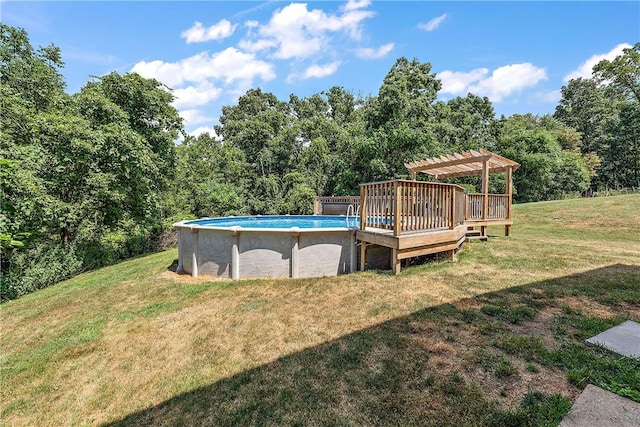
pixel 434 23
pixel 509 79
pixel 198 33
pixel 503 82
pixel 194 117
pixel 195 96
pixel 586 68
pixel 318 71
pixel 355 4
pixel 205 129
pixel 227 66
pixel 256 46
pixel 297 32
pixel 166 72
pixel 371 53
pixel 458 82
pixel 314 71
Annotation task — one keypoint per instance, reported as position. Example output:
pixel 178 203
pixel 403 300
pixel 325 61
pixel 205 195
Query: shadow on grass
pixel 385 375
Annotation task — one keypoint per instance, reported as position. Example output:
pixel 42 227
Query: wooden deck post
pixel 316 206
pixel 363 207
pixel 452 195
pixel 397 210
pixel 509 184
pixel 395 261
pixel 363 255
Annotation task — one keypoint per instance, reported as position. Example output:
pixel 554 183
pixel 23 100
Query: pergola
pixel 471 163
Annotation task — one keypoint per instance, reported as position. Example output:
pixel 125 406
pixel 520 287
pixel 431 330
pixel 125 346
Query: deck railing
pixel 417 205
pixel 497 206
pixel 402 205
pixel 335 205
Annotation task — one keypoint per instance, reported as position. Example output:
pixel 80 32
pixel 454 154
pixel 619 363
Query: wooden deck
pixel 414 218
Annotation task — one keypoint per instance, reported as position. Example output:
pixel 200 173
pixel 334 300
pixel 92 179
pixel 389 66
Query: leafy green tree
pixel 622 154
pixel 82 176
pixel 342 104
pixel 586 107
pixel 250 125
pixel 622 73
pixel 392 128
pixel 604 110
pixel 465 124
pixel 546 171
pixel 211 179
pixel 621 149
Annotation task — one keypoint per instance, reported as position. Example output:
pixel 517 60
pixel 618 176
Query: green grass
pixel 495 339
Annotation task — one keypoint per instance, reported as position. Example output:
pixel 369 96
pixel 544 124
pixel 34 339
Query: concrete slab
pixel 598 407
pixel 623 339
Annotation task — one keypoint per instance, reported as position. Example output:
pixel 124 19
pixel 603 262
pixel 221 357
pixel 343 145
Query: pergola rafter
pixel 470 163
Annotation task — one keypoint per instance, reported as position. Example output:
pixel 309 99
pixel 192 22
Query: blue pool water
pixel 279 221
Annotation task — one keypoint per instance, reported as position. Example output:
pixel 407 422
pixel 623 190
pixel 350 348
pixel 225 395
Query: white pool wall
pixel 240 253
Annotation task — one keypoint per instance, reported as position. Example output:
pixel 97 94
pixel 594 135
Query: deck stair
pixel 473 234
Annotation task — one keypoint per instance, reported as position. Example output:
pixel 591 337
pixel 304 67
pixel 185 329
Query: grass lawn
pixel 495 339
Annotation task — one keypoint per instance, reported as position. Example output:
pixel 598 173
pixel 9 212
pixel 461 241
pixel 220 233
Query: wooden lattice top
pixel 462 164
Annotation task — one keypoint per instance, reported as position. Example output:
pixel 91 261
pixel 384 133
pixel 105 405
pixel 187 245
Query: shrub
pixel 37 268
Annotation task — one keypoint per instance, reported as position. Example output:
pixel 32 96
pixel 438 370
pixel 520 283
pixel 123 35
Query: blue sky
pixel 519 54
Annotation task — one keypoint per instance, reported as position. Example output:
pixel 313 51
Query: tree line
pixel 94 177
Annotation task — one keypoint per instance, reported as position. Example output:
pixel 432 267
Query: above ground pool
pixel 267 246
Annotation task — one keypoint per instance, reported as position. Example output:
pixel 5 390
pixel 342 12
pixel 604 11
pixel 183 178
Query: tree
pixel 604 110
pixel 398 123
pixel 466 124
pixel 623 73
pixel 546 171
pixel 211 179
pixel 82 176
pixel 622 76
pixel 586 107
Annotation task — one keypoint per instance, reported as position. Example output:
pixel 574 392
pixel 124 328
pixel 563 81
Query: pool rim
pixel 238 228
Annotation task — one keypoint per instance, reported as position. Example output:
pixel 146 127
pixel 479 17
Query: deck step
pixel 473 234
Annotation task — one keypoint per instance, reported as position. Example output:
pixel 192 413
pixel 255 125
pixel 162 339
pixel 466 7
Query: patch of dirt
pixel 540 326
pixel 460 348
pixel 633 310
pixel 467 304
pixel 586 306
pixel 510 390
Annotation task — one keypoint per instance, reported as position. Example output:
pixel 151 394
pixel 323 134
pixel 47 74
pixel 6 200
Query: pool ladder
pixel 355 214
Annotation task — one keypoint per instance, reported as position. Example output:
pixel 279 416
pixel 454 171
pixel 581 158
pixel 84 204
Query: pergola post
pixel 509 190
pixel 485 194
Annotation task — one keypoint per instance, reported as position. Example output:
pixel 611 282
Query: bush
pixel 37 268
